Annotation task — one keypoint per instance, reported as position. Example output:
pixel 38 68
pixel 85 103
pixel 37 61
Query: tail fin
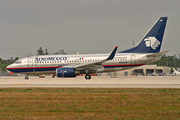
pixel 152 41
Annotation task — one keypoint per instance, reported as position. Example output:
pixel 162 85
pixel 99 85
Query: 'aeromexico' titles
pixel 50 58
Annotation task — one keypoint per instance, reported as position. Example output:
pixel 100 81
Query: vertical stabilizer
pixel 152 41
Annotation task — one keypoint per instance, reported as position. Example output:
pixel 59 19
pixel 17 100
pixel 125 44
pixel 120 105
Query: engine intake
pixel 65 72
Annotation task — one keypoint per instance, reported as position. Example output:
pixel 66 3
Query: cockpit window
pixel 18 62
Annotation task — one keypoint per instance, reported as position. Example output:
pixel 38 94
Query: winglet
pixel 111 56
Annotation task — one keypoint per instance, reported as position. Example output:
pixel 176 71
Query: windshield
pixel 18 62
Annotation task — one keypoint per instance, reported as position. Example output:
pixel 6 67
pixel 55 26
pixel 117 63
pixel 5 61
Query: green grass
pixel 89 103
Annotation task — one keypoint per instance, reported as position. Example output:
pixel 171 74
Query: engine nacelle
pixel 65 72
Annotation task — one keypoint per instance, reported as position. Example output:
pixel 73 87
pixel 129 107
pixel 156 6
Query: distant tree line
pixel 169 61
pixel 5 63
pixel 40 51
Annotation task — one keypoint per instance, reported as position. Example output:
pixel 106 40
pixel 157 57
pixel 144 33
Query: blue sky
pixel 85 26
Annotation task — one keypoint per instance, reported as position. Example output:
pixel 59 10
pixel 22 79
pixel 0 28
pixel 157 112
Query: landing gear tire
pixel 87 77
pixel 26 78
pixel 53 75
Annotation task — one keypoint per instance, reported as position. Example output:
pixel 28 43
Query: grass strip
pixel 89 103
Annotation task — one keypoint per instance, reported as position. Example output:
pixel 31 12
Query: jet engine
pixel 65 72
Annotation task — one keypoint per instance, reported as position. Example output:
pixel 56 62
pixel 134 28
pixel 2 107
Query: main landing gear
pixel 87 77
pixel 26 77
pixel 53 75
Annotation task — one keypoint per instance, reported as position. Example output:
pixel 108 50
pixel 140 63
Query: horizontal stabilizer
pixel 157 54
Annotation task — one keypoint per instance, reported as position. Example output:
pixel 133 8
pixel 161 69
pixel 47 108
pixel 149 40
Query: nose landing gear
pixel 26 77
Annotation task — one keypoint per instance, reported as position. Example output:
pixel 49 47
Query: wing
pixel 95 65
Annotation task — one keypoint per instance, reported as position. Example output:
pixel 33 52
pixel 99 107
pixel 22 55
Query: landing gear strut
pixel 87 77
pixel 53 75
pixel 26 78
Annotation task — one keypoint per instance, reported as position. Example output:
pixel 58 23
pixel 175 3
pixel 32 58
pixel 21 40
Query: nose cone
pixel 9 67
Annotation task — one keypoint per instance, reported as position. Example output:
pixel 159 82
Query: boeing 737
pixel 147 51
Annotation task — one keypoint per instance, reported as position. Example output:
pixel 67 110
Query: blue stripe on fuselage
pixel 32 69
pixel 40 69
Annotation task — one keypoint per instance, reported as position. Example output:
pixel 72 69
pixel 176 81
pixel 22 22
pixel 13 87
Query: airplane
pixel 147 51
pixel 176 72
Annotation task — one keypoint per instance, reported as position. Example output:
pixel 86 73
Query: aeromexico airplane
pixel 147 51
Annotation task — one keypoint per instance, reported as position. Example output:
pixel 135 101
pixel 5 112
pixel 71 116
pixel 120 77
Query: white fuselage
pixel 47 64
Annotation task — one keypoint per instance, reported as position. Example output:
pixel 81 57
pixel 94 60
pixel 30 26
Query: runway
pixel 95 82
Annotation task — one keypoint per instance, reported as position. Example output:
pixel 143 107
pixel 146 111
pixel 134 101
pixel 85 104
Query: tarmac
pixel 95 82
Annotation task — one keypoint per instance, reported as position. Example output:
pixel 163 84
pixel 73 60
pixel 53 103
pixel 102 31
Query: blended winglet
pixel 111 56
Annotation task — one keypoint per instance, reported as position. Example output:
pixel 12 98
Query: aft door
pixel 30 61
pixel 133 59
